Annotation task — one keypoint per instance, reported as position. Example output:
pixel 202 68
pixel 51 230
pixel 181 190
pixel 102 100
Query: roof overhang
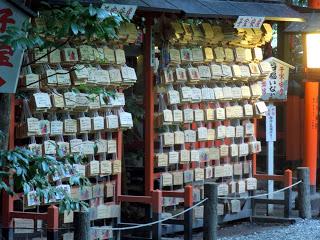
pixel 271 10
pixel 23 8
pixel 311 25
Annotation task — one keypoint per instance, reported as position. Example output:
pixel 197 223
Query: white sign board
pixel 10 60
pixel 271 124
pixel 249 22
pixel 275 87
pixel 125 10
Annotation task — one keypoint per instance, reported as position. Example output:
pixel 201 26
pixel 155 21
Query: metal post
pixel 304 203
pixel 210 218
pixel 270 172
pixel 254 156
pixel 288 193
pixel 156 214
pixel 188 216
pixel 53 223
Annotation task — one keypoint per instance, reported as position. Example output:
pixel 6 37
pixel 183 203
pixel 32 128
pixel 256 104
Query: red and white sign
pixel 10 60
pixel 275 87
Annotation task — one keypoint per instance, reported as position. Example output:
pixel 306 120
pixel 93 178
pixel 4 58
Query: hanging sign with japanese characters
pixel 275 87
pixel 125 10
pixel 249 22
pixel 10 59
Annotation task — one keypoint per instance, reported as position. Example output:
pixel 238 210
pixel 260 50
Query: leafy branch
pixel 56 27
pixel 48 53
pixel 30 172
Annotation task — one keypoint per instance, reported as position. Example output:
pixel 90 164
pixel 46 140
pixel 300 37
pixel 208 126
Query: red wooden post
pixel 149 107
pixel 311 129
pixel 119 155
pixel 188 216
pixel 53 222
pixel 7 200
pixel 314 4
pixel 311 121
pixel 293 121
pixel 156 214
pixel 287 178
pixel 12 122
pixel 287 194
pixel 188 196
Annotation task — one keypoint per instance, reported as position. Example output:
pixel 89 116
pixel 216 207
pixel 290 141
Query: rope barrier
pixel 159 221
pixel 136 226
pixel 261 195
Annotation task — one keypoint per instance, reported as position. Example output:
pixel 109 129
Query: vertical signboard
pixel 10 59
pixel 271 124
pixel 275 87
pixel 271 137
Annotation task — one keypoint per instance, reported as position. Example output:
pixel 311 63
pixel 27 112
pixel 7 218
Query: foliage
pixel 55 27
pixel 31 172
pixel 61 24
pixel 136 110
pixel 2 135
pixel 302 3
pixel 83 88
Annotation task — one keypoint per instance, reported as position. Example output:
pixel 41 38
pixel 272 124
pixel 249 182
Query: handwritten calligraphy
pixel 6 51
pixel 5 19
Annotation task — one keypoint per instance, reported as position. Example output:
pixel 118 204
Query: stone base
pixel 315 204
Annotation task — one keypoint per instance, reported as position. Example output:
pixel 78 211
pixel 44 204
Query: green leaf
pixel 3 173
pixel 74 180
pixel 20 157
pixel 60 153
pixel 45 166
pixel 26 188
pixel 74 28
pixel 103 14
pixel 82 30
pixel 51 158
pixel 92 10
pixel 18 171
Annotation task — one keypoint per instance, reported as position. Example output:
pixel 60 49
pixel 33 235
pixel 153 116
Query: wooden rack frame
pixel 151 196
pixel 52 215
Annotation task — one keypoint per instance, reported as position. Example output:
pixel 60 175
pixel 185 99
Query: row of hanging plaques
pixel 200 55
pixel 83 124
pixel 185 94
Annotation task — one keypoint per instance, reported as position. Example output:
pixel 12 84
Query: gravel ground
pixel 302 230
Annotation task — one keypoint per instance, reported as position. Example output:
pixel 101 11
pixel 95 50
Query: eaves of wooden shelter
pixel 275 10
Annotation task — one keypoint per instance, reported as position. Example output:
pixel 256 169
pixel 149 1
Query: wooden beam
pixel 149 108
